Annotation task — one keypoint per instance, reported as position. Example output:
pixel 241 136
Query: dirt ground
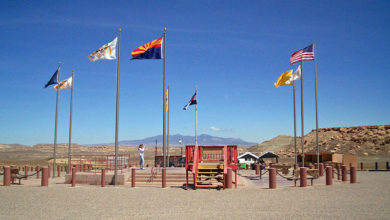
pixel 368 199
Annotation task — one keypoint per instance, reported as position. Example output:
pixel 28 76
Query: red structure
pixel 209 164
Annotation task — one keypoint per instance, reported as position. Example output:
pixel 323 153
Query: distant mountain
pixel 203 139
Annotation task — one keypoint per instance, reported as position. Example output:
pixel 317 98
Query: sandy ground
pixel 369 199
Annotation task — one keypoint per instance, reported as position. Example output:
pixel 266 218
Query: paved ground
pixel 369 199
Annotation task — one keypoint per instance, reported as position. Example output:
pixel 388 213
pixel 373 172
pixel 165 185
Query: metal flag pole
pixel 164 98
pixel 302 129
pixel 56 120
pixel 70 122
pixel 315 70
pixel 117 109
pixel 168 125
pixel 295 124
pixel 196 117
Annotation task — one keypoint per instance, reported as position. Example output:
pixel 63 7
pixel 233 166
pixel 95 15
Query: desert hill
pixel 361 140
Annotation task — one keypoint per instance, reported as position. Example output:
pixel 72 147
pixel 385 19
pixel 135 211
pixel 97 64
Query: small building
pixel 247 158
pixel 269 155
pixel 345 159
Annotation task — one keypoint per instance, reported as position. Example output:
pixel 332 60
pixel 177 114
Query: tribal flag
pixel 296 75
pixel 53 79
pixel 191 102
pixel 283 79
pixel 105 52
pixel 304 54
pixel 66 84
pixel 151 50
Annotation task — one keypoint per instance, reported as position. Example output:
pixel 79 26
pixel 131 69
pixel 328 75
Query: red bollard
pixel 329 179
pixel 164 177
pixel 303 176
pixel 229 182
pixel 344 176
pixel 74 170
pixel 45 176
pixel 257 169
pixel 338 172
pixel 272 178
pixel 37 169
pixel 321 169
pixel 26 172
pixel 103 177
pixel 132 177
pixel 58 170
pixel 85 168
pixel 7 176
pixel 353 174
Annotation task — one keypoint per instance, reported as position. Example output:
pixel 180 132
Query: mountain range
pixel 203 139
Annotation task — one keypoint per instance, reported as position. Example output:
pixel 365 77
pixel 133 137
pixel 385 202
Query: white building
pixel 247 158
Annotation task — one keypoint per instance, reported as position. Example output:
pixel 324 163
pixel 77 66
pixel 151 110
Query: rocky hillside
pixel 361 140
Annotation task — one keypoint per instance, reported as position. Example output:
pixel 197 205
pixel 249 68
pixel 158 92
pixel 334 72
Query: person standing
pixel 141 150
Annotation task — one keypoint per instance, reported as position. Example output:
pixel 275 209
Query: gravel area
pixel 368 199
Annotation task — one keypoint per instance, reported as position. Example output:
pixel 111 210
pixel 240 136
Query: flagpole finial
pixel 165 29
pixel 59 62
pixel 120 29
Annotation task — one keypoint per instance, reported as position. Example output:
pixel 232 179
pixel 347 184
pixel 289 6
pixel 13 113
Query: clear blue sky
pixel 233 51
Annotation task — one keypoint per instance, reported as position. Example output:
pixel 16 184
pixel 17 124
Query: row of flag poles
pixel 288 78
pixel 151 50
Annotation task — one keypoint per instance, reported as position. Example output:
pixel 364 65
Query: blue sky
pixel 233 51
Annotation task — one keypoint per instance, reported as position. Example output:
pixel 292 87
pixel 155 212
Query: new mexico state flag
pixel 284 79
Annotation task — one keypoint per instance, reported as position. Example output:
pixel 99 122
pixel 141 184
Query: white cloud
pixel 214 128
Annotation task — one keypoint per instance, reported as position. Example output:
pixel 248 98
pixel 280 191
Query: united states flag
pixel 304 54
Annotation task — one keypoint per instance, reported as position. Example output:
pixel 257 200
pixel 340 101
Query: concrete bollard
pixel 376 165
pixel 132 177
pixel 257 169
pixel 37 169
pixel 103 178
pixel 45 176
pixel 303 176
pixel 229 182
pixel 344 176
pixel 352 172
pixel 164 177
pixel 272 178
pixel 7 176
pixel 26 172
pixel 338 173
pixel 329 179
pixel 321 169
pixel 361 166
pixel 74 170
pixel 58 170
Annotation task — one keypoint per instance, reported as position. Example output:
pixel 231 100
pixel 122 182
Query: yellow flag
pixel 167 99
pixel 284 79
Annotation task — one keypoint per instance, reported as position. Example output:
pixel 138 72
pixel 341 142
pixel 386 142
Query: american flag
pixel 304 54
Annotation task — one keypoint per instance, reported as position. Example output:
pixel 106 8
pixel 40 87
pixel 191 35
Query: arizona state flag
pixel 151 50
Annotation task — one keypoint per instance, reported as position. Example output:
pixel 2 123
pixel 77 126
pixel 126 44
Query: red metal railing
pixel 94 163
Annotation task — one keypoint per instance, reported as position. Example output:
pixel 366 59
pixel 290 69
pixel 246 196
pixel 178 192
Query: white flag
pixel 296 75
pixel 66 84
pixel 106 52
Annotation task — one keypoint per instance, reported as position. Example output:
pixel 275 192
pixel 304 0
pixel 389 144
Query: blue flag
pixel 193 101
pixel 53 79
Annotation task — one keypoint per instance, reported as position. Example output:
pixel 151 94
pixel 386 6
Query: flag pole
pixel 117 109
pixel 70 122
pixel 295 124
pixel 196 117
pixel 56 120
pixel 168 125
pixel 302 128
pixel 164 99
pixel 315 70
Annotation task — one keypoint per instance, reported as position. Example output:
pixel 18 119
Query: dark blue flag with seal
pixel 53 79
